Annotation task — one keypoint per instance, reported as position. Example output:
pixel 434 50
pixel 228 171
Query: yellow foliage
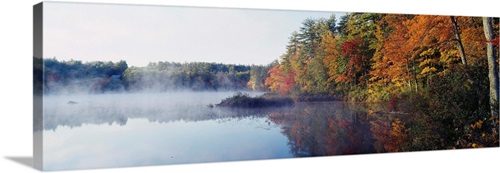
pixel 449 56
pixel 398 84
pixel 428 52
pixel 478 125
pixel 427 62
pixel 371 112
pixel 428 70
pixel 373 79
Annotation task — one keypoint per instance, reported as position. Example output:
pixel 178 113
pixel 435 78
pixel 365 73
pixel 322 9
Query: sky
pixel 140 34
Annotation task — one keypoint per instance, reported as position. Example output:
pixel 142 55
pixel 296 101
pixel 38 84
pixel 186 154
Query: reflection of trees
pixel 313 129
pixel 77 115
pixel 348 137
pixel 389 133
pixel 319 129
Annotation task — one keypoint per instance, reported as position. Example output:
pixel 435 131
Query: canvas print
pixel 138 85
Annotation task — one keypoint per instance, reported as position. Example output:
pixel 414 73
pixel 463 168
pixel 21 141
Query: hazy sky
pixel 143 34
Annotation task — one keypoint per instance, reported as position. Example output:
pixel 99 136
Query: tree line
pixel 100 76
pixel 370 56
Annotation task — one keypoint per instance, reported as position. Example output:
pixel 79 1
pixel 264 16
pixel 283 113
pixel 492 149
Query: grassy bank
pixel 243 100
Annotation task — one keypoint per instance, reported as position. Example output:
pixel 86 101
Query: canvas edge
pixel 38 86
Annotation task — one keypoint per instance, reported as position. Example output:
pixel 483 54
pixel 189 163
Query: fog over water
pixel 134 129
pixel 73 110
pixel 84 131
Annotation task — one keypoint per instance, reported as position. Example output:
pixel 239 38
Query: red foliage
pixel 352 50
pixel 279 81
pixel 495 41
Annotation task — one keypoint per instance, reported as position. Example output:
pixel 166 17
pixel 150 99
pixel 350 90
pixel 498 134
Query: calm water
pixel 117 130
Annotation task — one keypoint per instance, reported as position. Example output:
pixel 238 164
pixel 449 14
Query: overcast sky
pixel 143 34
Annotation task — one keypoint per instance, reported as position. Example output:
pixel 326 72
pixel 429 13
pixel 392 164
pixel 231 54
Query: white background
pixel 16 88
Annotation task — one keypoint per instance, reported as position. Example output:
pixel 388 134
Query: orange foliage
pixel 422 44
pixel 392 65
pixel 279 81
pixel 331 58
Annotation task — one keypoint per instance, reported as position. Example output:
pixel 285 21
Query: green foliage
pixel 75 76
pixel 98 76
pixel 163 76
pixel 37 76
pixel 357 94
pixel 379 93
pixel 258 75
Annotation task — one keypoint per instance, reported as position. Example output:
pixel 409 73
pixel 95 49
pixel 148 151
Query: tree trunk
pixel 415 75
pixel 492 65
pixel 459 41
pixel 408 73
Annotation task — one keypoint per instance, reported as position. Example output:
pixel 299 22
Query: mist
pixel 100 92
pixel 128 128
pixel 164 107
pixel 75 110
pixel 100 77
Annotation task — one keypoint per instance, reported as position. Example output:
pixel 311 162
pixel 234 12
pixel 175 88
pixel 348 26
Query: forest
pixel 100 77
pixel 441 71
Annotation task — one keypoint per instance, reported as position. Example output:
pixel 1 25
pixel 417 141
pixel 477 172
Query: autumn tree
pixel 472 35
pixel 301 69
pixel 356 63
pixel 458 40
pixel 316 73
pixel 282 75
pixel 492 64
pixel 334 63
pixel 280 81
pixel 391 70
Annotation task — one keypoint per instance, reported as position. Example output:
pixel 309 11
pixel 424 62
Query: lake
pixel 119 130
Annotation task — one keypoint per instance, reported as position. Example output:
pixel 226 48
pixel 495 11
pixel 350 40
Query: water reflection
pixel 321 129
pixel 156 129
pixel 118 108
pixel 113 131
